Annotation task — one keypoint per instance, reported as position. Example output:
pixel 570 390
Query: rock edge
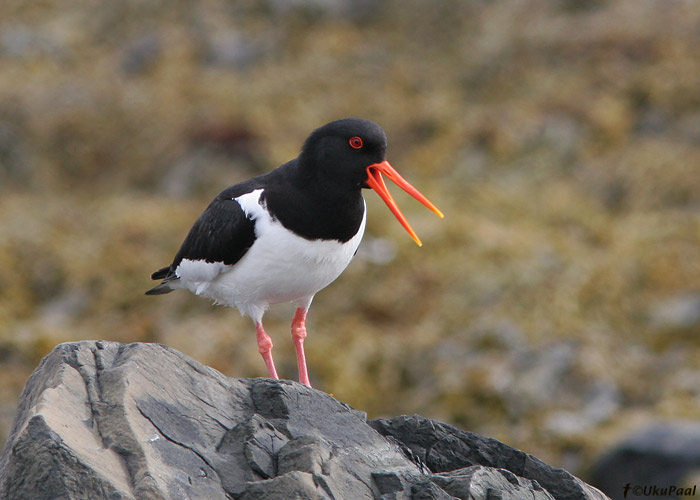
pixel 143 421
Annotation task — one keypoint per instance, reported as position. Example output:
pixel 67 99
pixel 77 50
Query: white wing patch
pixel 250 203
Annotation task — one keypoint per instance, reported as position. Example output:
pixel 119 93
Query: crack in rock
pixel 201 456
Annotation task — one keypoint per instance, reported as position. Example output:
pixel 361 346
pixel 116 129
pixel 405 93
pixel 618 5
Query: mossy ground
pixel 560 138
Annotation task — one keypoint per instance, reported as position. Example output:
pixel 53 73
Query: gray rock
pixel 486 483
pixel 141 53
pixel 102 420
pixel 230 49
pixel 24 42
pixel 680 312
pixel 443 448
pixel 664 455
pixel 17 164
pixel 355 10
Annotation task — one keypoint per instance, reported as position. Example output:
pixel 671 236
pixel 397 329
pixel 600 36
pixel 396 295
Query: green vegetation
pixel 556 307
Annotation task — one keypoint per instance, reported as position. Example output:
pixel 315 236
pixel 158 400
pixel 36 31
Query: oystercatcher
pixel 285 235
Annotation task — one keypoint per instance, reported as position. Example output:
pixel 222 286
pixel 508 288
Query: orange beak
pixel 376 182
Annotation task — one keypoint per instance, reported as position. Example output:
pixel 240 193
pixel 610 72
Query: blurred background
pixel 556 307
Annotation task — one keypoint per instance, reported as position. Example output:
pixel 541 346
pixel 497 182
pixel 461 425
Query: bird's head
pixel 352 152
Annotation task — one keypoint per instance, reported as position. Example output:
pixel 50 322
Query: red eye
pixel 355 142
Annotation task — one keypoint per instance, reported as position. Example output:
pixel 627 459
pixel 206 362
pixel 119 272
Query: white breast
pixel 279 267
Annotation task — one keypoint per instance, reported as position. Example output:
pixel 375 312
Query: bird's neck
pixel 319 213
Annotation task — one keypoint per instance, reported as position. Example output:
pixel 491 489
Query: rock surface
pixel 665 455
pixel 143 421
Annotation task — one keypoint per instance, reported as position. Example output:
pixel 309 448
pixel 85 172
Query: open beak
pixel 376 182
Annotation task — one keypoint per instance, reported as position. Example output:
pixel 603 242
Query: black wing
pixel 223 233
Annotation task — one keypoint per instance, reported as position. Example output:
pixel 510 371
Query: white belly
pixel 279 267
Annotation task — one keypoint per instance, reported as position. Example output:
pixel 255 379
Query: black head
pixel 341 151
pixel 349 154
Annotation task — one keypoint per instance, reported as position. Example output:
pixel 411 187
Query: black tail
pixel 160 289
pixel 161 274
pixel 166 275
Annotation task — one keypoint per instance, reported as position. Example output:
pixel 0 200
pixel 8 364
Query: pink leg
pixel 298 335
pixel 265 348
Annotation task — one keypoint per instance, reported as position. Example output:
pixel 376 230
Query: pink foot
pixel 265 348
pixel 298 335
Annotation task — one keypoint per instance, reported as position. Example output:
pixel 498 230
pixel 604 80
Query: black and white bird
pixel 285 235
